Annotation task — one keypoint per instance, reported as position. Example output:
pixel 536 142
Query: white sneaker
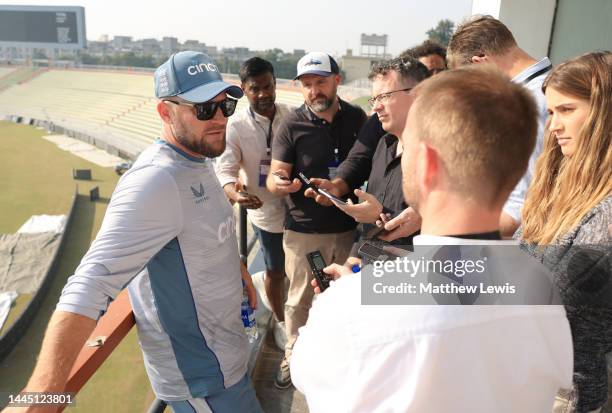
pixel 260 286
pixel 283 376
pixel 280 336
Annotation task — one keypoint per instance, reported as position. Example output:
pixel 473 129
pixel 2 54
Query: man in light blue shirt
pixel 484 39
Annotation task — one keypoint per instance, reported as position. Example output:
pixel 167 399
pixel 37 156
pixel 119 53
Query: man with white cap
pixel 313 139
pixel 169 236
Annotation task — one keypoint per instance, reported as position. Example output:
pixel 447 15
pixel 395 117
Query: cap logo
pixel 163 80
pixel 202 67
pixel 313 62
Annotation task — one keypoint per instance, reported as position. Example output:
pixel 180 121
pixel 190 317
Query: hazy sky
pixel 324 25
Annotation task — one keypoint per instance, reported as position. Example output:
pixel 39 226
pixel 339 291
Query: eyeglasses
pixel 207 110
pixel 384 97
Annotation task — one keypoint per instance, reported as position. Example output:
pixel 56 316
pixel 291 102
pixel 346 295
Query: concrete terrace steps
pixel 98 102
pixel 134 133
pixel 144 115
pixel 116 83
pixel 147 134
pixel 145 123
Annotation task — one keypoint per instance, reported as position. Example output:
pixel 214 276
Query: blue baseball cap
pixel 192 76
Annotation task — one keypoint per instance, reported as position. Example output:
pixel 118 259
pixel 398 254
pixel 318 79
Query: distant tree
pixel 39 54
pixel 131 59
pixel 442 32
pixel 284 64
pixel 88 59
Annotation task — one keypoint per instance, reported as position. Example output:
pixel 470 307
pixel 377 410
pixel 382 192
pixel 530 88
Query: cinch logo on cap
pixel 201 67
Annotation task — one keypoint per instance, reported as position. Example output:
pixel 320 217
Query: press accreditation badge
pixel 333 165
pixel 264 170
pixel 333 169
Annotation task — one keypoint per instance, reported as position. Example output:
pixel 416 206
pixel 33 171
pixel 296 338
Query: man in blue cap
pixel 169 236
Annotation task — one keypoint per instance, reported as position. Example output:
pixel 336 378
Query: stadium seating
pixel 110 101
pixel 113 106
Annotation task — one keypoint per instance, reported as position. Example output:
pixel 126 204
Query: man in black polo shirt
pixel 391 84
pixel 313 139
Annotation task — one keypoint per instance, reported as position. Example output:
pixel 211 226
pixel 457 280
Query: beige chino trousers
pixel 335 248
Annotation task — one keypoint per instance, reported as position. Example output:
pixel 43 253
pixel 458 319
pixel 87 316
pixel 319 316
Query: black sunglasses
pixel 207 110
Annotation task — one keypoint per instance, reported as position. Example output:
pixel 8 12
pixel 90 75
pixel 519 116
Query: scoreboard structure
pixel 43 27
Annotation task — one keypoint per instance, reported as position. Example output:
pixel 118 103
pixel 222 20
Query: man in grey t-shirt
pixel 169 235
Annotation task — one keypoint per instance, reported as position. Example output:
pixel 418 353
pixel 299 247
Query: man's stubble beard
pixel 265 105
pixel 323 105
pixel 196 145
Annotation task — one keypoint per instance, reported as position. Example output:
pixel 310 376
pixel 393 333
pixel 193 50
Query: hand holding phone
pixel 403 224
pixel 375 231
pixel 282 184
pixel 331 196
pixel 309 184
pixel 245 199
pixel 281 176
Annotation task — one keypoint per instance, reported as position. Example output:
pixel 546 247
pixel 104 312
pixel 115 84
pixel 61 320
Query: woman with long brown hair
pixel 568 215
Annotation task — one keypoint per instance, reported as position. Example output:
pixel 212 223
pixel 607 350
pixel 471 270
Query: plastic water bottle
pixel 248 317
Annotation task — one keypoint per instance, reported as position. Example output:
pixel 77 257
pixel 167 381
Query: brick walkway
pixel 272 399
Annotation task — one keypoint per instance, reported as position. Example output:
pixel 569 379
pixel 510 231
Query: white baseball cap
pixel 317 63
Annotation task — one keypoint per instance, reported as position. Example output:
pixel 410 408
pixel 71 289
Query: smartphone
pixel 375 231
pixel 244 193
pixel 387 218
pixel 317 263
pixel 332 197
pixel 307 182
pixel 318 190
pixel 284 178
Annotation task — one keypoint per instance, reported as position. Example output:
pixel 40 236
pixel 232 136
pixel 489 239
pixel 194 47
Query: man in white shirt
pixel 352 357
pixel 243 167
pixel 484 39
